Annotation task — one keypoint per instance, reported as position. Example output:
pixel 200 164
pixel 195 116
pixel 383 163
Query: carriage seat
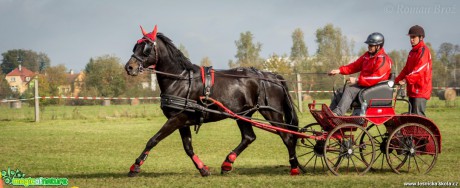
pixel 382 90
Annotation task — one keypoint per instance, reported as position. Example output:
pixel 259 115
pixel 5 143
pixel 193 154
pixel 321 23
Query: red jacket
pixel 373 68
pixel 417 72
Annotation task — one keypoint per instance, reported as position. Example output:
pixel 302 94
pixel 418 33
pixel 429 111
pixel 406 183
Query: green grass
pixel 94 146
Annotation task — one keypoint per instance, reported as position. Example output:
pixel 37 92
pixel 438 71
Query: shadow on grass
pixel 121 175
pixel 245 171
pixel 278 170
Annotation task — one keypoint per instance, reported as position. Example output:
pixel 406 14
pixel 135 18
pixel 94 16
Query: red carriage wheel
pixel 345 149
pixel 412 148
pixel 310 152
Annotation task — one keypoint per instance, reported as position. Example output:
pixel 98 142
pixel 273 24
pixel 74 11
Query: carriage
pixel 193 95
pixel 351 144
pixel 408 143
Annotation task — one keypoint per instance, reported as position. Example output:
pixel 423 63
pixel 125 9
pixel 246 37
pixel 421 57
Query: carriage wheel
pixel 380 136
pixel 310 152
pixel 347 152
pixel 412 148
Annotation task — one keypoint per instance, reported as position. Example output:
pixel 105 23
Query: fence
pixel 303 86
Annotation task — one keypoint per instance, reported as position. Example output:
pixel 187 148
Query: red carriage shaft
pixel 269 128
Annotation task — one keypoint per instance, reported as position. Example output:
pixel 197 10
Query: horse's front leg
pixel 186 136
pixel 169 127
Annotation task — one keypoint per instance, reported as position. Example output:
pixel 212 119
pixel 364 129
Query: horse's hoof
pixel 295 171
pixel 134 170
pixel 132 174
pixel 226 168
pixel 205 171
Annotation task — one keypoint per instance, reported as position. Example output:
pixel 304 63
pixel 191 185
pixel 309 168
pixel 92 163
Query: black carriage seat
pixel 382 90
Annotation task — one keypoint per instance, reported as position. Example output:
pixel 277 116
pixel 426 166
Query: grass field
pixel 94 146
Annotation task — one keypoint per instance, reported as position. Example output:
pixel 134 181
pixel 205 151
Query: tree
pixel 333 49
pixel 299 51
pixel 183 50
pixel 447 54
pixel 55 77
pixel 399 60
pixel 104 75
pixel 247 54
pixel 48 84
pixel 5 90
pixel 206 62
pixel 277 64
pixel 36 62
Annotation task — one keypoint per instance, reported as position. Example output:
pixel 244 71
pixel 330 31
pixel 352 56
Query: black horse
pixel 242 90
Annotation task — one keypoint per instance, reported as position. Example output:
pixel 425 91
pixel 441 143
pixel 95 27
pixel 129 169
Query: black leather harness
pixel 202 110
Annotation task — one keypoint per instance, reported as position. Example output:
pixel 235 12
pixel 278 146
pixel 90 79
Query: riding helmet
pixel 416 30
pixel 375 39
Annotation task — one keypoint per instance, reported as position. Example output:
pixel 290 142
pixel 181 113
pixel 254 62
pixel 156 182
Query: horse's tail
pixel 290 115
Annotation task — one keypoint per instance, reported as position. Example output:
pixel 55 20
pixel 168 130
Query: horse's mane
pixel 175 54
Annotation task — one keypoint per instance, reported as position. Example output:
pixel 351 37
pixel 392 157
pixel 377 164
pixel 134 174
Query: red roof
pixel 23 73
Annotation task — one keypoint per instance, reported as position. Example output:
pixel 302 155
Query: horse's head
pixel 145 53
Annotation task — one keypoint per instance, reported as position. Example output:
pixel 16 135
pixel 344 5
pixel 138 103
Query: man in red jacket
pixel 417 72
pixel 374 66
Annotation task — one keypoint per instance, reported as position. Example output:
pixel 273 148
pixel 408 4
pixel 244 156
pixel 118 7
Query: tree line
pixel 105 75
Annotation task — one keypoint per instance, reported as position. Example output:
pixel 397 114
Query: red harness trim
pixel 203 76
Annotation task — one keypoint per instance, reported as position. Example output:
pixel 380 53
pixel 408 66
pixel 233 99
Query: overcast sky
pixel 73 31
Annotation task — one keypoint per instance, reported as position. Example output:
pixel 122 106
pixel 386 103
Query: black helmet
pixel 375 39
pixel 416 30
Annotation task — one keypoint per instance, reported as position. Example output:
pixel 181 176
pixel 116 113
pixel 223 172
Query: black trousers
pixel 418 106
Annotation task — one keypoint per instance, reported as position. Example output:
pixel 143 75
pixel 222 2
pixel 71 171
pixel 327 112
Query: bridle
pixel 147 51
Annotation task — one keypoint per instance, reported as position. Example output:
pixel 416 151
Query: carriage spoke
pixel 309 160
pixel 348 165
pixel 340 156
pixel 364 155
pixel 380 154
pixel 359 136
pixel 322 163
pixel 383 159
pixel 305 154
pixel 357 170
pixel 400 149
pixel 401 142
pixel 314 164
pixel 377 141
pixel 308 140
pixel 418 141
pixel 367 164
pixel 417 147
pixel 337 166
pixel 333 150
pixel 408 166
pixel 305 146
pixel 378 130
pixel 426 152
pixel 397 157
pixel 422 160
pixel 416 164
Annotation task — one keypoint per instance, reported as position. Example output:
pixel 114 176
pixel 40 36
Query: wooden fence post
pixel 37 107
pixel 299 92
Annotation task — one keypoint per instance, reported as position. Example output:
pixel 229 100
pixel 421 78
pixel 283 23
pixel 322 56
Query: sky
pixel 71 32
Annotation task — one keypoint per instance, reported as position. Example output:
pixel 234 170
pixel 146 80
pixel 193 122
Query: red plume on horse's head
pixel 152 35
